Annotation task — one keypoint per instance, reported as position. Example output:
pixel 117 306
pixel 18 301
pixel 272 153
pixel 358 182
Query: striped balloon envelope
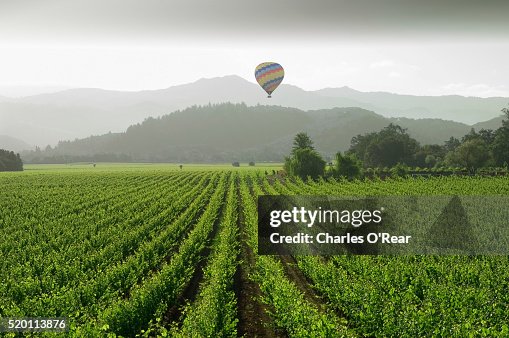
pixel 269 76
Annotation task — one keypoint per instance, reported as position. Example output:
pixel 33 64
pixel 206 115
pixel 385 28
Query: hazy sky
pixel 418 47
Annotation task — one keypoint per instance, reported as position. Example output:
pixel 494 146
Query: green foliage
pixel 214 312
pixel 429 155
pixel 305 162
pixel 399 170
pixel 347 166
pixel 393 145
pixel 412 296
pixel 9 161
pixel 471 154
pixel 114 250
pixel 501 142
pixel 430 161
pixel 146 301
pixel 292 313
pixel 386 148
pixel 452 144
pixel 302 141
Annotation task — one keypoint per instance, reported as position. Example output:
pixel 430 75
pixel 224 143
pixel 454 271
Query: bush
pixel 399 170
pixel 305 162
pixel 347 166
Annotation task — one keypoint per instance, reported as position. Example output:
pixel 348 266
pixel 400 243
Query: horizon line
pixel 64 88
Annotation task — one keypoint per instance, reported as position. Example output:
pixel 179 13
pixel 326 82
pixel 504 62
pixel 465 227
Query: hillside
pixel 76 113
pixel 494 123
pixel 468 110
pixel 13 144
pixel 229 132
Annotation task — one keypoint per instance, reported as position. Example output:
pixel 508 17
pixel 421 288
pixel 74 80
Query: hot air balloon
pixel 269 76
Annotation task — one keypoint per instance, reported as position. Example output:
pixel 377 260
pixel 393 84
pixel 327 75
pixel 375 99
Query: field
pixel 153 250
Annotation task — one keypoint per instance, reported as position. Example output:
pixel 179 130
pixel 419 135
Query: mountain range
pixel 77 113
pixel 237 132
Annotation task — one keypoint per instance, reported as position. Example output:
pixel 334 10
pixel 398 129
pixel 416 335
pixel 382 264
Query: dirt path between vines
pixel 254 320
pixel 174 312
pixel 295 275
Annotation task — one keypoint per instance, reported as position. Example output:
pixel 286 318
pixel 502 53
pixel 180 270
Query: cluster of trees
pixel 487 148
pixel 392 147
pixel 9 161
pixel 304 160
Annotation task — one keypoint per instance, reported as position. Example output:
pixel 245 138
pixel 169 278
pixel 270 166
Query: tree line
pixel 393 149
pixel 37 157
pixel 9 161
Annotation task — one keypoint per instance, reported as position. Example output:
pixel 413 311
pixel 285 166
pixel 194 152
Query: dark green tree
pixel 360 143
pixel 487 135
pixel 9 161
pixel 347 166
pixel 500 146
pixel 305 162
pixel 302 141
pixel 386 148
pixel 472 135
pixel 471 154
pixel 429 155
pixel 452 144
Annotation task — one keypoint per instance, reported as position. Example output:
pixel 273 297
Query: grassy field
pixel 152 250
pixel 148 166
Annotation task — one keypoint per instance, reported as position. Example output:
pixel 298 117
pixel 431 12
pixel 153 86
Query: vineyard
pixel 174 253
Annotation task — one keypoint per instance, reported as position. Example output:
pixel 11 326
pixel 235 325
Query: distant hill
pixel 13 144
pixel 468 110
pixel 237 132
pixel 494 123
pixel 77 113
pixel 12 91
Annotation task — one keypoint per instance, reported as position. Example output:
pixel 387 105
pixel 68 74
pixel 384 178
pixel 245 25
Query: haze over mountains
pixel 237 132
pixel 13 144
pixel 77 113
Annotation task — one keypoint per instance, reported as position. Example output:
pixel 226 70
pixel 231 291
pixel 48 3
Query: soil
pixel 254 320
pixel 190 292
